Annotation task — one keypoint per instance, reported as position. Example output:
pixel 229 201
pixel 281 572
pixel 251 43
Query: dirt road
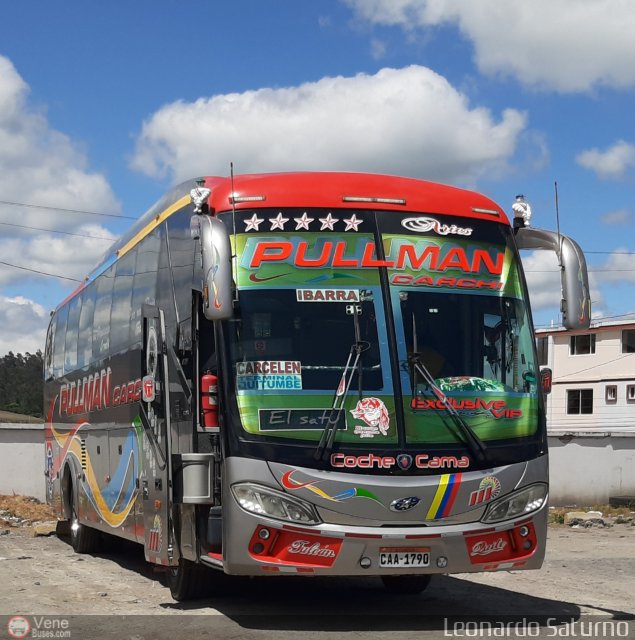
pixel 587 572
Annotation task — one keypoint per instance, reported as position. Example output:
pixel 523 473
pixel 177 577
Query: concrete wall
pixel 585 468
pixel 22 460
pixel 588 468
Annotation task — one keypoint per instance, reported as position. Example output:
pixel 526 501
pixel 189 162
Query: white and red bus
pixel 308 374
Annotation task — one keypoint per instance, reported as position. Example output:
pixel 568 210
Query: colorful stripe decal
pixel 445 496
pixel 351 492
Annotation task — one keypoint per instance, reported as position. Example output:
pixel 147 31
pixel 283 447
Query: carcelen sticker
pixel 373 412
pixel 266 375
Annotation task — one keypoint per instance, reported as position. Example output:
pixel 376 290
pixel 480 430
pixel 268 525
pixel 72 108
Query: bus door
pixel 156 467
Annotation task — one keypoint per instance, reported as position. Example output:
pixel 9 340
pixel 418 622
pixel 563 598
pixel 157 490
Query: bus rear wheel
pixel 83 539
pixel 189 580
pixel 406 584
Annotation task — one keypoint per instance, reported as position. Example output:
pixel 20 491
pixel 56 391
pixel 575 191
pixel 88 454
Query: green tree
pixel 21 383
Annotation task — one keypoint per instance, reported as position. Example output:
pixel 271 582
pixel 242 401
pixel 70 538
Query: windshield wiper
pixel 353 363
pixel 474 443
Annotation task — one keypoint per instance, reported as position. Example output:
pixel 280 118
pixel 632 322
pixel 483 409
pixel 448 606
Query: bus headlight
pixel 516 504
pixel 264 501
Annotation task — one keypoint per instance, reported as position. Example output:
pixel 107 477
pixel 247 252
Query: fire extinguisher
pixel 209 401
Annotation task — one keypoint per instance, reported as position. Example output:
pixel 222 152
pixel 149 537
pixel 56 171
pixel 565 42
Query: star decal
pixel 303 222
pixel 352 223
pixel 278 222
pixel 253 222
pixel 328 222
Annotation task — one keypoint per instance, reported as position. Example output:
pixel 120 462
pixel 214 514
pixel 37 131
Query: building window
pixel 542 345
pixel 579 401
pixel 582 344
pixel 628 341
pixel 611 393
pixel 630 392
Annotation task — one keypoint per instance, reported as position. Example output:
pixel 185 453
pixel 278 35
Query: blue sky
pixel 103 106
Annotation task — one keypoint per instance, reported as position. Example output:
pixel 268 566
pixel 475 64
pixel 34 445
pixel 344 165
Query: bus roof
pixel 308 189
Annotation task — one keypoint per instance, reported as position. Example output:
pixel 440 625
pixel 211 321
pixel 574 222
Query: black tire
pixel 406 584
pixel 83 539
pixel 189 580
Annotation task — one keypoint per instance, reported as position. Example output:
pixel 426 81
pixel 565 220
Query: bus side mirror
pixel 575 304
pixel 546 377
pixel 217 266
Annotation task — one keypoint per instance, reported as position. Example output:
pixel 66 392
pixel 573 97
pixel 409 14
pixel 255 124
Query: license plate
pixel 401 557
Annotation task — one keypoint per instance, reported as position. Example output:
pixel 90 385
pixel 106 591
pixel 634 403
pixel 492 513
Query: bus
pixel 310 374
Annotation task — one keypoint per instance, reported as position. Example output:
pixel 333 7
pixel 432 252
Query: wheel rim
pixel 74 520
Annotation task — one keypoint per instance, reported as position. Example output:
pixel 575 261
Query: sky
pixel 105 106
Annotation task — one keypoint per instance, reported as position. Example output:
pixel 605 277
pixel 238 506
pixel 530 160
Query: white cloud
pixel 67 256
pixel 620 216
pixel 619 268
pixel 41 166
pixel 23 323
pixel 563 45
pixel 407 121
pixel 377 49
pixel 613 163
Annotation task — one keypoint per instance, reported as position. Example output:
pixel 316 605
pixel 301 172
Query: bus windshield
pixel 394 290
pixel 478 350
pixel 281 343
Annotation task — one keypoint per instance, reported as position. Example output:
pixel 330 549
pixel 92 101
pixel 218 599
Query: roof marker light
pixel 374 200
pixel 489 212
pixel 236 199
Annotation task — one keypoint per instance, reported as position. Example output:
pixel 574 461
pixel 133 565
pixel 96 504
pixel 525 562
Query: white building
pixel 590 412
pixel 593 377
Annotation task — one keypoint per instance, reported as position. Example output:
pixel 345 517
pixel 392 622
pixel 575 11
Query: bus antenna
pixel 234 254
pixel 555 187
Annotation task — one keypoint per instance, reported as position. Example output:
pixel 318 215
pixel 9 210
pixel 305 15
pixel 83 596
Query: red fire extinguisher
pixel 209 401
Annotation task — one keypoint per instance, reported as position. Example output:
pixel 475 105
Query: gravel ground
pixel 587 571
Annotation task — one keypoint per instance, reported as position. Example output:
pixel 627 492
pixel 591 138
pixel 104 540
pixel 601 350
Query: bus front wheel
pixel 406 584
pixel 188 580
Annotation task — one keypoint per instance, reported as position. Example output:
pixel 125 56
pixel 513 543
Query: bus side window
pixel 72 330
pixel 101 323
pixel 144 287
pixel 85 334
pixel 48 351
pixel 58 342
pixel 182 262
pixel 165 284
pixel 122 301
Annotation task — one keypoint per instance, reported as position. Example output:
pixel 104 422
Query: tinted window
pixel 182 259
pixel 579 401
pixel 543 351
pixel 122 301
pixel 101 322
pixel 583 344
pixel 85 337
pixel 274 326
pixel 72 330
pixel 165 285
pixel 58 341
pixel 48 352
pixel 628 341
pixel 144 282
